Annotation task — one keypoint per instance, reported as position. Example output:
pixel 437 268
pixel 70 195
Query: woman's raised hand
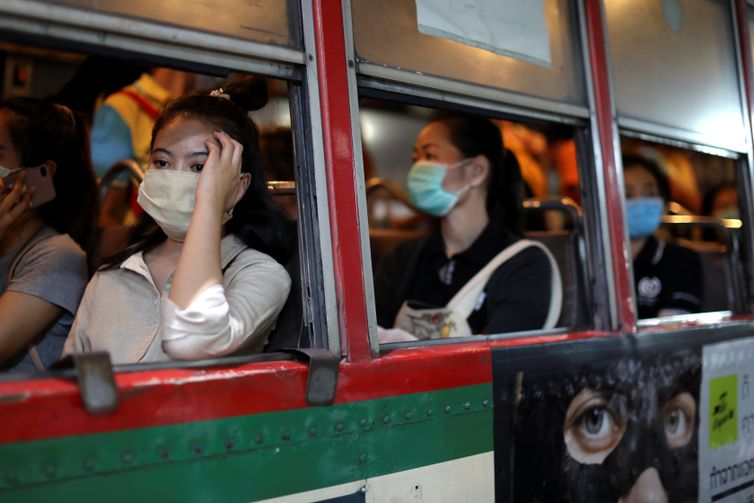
pixel 13 202
pixel 220 179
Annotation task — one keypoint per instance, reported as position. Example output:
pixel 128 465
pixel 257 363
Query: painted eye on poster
pixel 515 28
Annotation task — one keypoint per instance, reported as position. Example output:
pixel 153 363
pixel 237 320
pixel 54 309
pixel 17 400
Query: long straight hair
pixel 43 131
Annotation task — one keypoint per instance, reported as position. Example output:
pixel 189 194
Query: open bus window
pixel 116 102
pixel 684 224
pixel 446 194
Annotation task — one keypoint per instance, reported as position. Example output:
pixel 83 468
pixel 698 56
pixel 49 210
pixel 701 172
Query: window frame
pixel 193 50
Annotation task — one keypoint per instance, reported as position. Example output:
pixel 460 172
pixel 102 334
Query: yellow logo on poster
pixel 723 411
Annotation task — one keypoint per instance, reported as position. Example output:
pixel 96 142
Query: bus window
pixel 441 189
pixel 115 99
pixel 684 225
pixel 388 40
pixel 661 57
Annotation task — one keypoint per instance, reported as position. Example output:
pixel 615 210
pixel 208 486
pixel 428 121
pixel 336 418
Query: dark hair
pixel 95 77
pixel 653 168
pixel 277 153
pixel 711 195
pixel 44 131
pixel 257 221
pixel 474 136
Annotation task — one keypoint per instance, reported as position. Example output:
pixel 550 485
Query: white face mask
pixel 169 196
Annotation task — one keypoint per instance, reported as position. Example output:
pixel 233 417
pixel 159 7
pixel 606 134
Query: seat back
pixel 566 247
pixel 290 330
pixel 722 289
pixel 383 241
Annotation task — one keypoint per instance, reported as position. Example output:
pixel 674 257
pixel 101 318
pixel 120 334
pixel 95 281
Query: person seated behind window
pixel 201 278
pixel 46 218
pixel 722 202
pixel 667 278
pixel 462 176
pixel 122 129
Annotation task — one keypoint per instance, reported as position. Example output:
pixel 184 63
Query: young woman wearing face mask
pixel 667 278
pixel 463 176
pixel 201 278
pixel 48 200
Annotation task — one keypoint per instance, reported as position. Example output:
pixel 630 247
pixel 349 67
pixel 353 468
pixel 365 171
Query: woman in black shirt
pixel 462 175
pixel 667 278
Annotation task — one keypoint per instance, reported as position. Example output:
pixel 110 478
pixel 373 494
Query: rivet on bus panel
pixel 50 471
pixel 88 464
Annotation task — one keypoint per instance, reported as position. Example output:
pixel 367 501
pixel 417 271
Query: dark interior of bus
pixel 703 212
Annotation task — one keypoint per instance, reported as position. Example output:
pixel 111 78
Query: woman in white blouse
pixel 202 275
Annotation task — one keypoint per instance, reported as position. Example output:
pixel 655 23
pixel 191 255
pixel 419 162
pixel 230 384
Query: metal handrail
pixel 281 188
pixel 574 211
pixel 394 190
pixel 123 166
pixel 563 204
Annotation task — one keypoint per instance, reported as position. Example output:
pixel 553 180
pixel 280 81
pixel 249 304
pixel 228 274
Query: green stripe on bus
pixel 253 457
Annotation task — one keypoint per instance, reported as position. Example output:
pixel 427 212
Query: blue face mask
pixel 643 216
pixel 426 191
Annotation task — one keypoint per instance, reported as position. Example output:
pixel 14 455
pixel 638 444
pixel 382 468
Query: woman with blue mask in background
pixel 667 278
pixel 463 176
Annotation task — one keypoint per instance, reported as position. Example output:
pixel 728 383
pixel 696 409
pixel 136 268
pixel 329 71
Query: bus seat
pixel 565 246
pixel 290 331
pixel 111 239
pixel 382 241
pixel 722 288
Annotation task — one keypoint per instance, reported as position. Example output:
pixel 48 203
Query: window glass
pixel 427 170
pixel 673 66
pixel 113 103
pixel 386 33
pixel 684 221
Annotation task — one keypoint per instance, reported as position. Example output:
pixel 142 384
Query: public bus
pixel 329 414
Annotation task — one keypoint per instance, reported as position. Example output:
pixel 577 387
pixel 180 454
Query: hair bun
pixel 249 93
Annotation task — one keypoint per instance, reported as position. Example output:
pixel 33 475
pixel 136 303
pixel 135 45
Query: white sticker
pixel 726 423
pixel 515 28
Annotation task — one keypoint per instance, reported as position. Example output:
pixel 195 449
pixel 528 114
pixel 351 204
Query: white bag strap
pixel 466 299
